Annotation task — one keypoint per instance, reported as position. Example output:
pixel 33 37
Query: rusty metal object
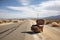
pixel 35 28
pixel 39 26
pixel 40 22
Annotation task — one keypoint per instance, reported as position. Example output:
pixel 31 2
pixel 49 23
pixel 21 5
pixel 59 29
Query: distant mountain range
pixel 53 17
pixel 50 17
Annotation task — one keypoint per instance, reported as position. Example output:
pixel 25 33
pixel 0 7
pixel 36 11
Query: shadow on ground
pixel 29 32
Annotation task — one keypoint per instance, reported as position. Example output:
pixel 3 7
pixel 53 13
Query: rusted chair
pixel 40 22
pixel 35 28
pixel 39 26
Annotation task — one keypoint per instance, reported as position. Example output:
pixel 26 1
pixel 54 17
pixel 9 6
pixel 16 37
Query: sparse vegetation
pixel 4 21
pixel 48 22
pixel 55 24
pixel 0 22
pixel 15 21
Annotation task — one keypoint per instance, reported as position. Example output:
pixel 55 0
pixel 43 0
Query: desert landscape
pixel 29 19
pixel 20 29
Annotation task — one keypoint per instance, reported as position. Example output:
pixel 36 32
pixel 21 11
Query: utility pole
pixel 37 15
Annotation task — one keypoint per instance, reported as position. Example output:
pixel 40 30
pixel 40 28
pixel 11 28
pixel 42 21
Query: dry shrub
pixel 15 21
pixel 4 21
pixel 9 21
pixel 48 22
pixel 0 22
pixel 55 24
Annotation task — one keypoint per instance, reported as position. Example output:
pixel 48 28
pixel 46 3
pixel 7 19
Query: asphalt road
pixel 22 31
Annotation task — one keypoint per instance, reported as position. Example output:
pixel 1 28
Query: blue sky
pixel 29 8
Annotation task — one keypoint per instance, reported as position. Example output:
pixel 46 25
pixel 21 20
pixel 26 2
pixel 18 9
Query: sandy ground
pixel 6 23
pixel 22 31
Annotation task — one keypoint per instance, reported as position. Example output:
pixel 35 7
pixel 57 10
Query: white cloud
pixel 24 2
pixel 54 0
pixel 45 9
pixel 49 5
pixel 23 8
pixel 8 15
pixel 5 14
pixel 29 12
pixel 48 8
pixel 26 11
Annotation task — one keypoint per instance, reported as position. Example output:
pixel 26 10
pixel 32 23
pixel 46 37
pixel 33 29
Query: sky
pixel 29 8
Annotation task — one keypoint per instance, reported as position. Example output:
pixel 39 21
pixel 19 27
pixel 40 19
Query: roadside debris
pixel 39 26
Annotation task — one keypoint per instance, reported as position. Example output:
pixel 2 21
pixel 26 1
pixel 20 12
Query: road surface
pixel 22 31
